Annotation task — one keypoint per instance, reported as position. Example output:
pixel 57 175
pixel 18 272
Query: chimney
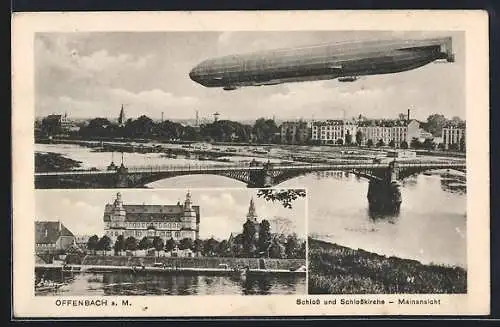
pixel 408 114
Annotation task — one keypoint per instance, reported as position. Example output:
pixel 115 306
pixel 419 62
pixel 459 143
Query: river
pixel 85 284
pixel 431 226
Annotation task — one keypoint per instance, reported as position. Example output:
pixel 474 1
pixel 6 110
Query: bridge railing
pixel 222 167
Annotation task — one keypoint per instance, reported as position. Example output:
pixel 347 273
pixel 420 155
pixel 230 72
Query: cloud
pixel 97 72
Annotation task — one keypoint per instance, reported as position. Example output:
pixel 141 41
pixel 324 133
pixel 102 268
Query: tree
pixel 380 143
pixel 223 248
pixel 276 250
pixel 104 243
pixel 391 143
pixel 264 130
pixel 158 244
pixel 404 145
pixel 462 143
pixel 340 142
pixel 237 246
pixel 170 244
pixel 348 138
pixel 435 124
pixel 415 143
pixel 291 246
pixel 359 137
pixel 198 246
pixel 402 116
pixel 369 142
pixel 285 196
pixel 185 243
pixel 145 244
pixel 428 144
pixel 92 243
pixel 264 236
pixel 453 146
pixel 211 246
pixel 119 244
pixel 131 243
pixel 441 146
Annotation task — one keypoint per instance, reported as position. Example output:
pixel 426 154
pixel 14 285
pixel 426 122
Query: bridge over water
pixel 254 175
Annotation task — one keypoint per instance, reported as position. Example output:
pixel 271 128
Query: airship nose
pixel 195 74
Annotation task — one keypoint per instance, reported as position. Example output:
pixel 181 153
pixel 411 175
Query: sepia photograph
pixel 170 242
pixel 318 161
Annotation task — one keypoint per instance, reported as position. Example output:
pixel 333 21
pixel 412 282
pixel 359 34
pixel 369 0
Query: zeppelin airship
pixel 345 61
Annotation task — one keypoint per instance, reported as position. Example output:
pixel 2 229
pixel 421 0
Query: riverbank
pixel 51 161
pixel 206 265
pixel 334 269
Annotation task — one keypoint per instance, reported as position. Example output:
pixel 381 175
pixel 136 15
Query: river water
pixel 431 226
pixel 86 284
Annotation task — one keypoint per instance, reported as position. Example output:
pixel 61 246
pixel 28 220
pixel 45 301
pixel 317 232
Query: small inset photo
pixel 170 242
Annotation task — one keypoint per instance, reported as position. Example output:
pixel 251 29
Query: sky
pixel 92 74
pixel 223 211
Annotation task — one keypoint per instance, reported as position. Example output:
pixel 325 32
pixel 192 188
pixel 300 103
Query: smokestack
pixel 162 116
pixel 408 114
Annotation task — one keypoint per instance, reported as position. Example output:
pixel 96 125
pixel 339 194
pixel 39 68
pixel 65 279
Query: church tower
pixel 252 214
pixel 121 118
pixel 118 215
pixel 189 218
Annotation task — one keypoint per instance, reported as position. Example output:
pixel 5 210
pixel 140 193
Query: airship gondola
pixel 345 61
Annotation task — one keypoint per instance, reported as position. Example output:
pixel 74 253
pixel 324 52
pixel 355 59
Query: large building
pixel 56 124
pixel 336 131
pixel 453 135
pixel 295 132
pixel 52 237
pixel 140 220
pixel 388 131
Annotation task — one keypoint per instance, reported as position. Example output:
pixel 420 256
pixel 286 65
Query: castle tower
pixel 118 215
pixel 189 218
pixel 121 118
pixel 252 214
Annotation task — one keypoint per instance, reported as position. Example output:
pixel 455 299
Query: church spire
pixel 252 215
pixel 121 118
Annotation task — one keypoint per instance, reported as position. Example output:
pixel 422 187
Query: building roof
pixel 48 232
pixel 453 124
pixel 151 213
pixel 385 122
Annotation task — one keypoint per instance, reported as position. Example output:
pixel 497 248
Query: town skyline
pixel 222 212
pixel 92 74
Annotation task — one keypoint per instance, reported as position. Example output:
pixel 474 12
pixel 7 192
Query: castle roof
pixel 151 213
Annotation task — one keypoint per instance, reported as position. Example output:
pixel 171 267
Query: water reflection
pixel 430 226
pixel 171 284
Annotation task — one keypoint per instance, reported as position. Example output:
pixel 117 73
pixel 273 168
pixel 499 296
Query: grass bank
pixel 334 269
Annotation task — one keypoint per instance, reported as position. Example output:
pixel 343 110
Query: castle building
pixel 166 221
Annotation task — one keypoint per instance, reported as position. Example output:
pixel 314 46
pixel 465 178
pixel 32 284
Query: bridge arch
pixel 196 180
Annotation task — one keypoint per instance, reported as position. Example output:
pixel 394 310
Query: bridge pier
pixel 260 178
pixel 121 178
pixel 384 195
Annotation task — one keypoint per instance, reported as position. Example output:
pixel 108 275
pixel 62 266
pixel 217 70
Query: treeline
pixel 262 131
pixel 244 245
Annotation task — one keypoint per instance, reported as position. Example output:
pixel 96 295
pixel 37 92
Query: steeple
pixel 121 118
pixel 252 215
